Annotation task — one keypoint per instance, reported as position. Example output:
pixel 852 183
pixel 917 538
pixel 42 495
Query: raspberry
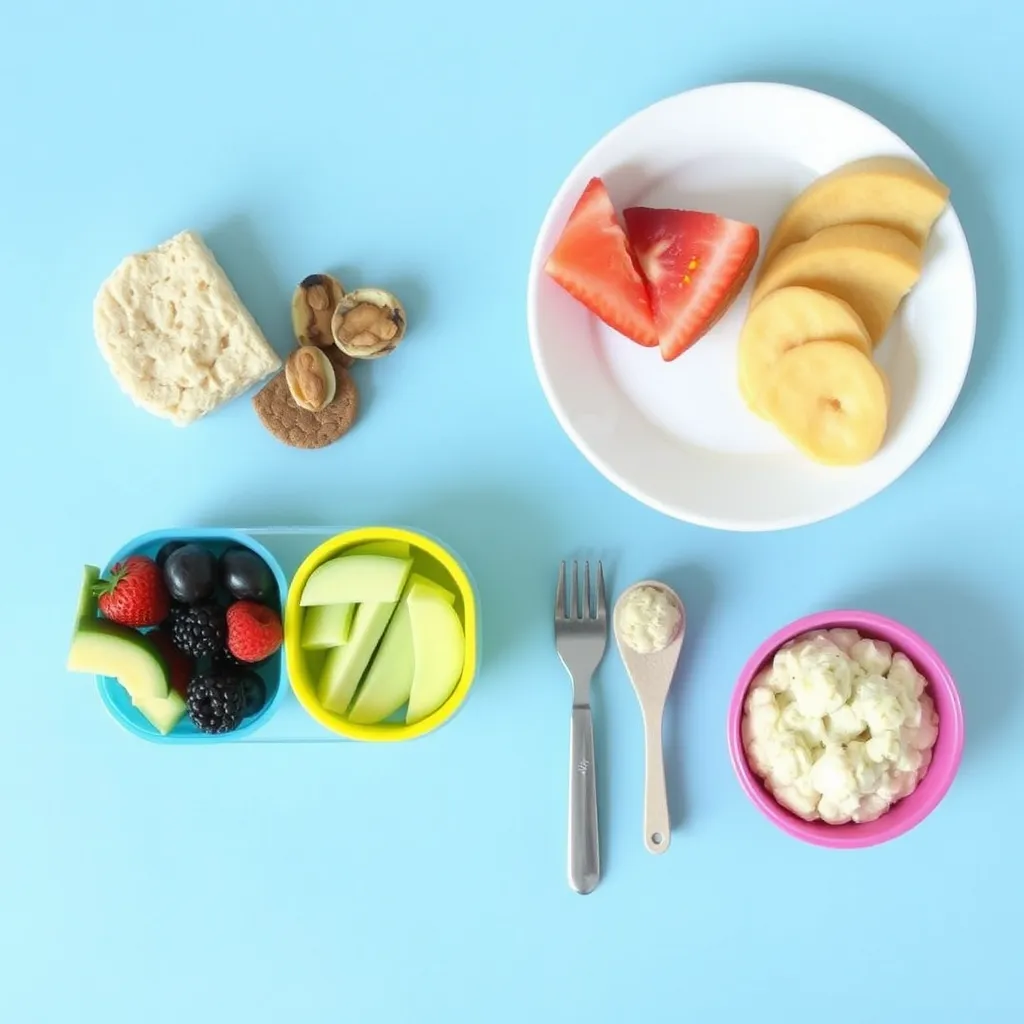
pixel 254 631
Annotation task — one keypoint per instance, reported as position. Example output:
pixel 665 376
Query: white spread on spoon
pixel 647 619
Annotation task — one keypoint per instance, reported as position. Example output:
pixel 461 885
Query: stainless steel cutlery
pixel 581 635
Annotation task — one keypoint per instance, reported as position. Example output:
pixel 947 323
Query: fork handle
pixel 584 855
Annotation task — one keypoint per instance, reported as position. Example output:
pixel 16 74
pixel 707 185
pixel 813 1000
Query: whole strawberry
pixel 135 594
pixel 254 631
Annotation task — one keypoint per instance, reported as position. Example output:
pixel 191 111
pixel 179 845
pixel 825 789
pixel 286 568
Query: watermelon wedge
pixel 695 265
pixel 594 263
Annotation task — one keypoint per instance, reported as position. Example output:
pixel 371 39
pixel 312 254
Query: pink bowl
pixel 911 810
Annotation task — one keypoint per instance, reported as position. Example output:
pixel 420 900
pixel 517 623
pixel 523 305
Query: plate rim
pixel 537 256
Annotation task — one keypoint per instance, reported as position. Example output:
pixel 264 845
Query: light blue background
pixel 417 146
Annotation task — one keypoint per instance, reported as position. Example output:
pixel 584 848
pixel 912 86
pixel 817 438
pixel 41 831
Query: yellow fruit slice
pixel 830 400
pixel 785 319
pixel 868 267
pixel 889 191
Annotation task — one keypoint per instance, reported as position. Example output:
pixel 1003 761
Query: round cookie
pixel 303 429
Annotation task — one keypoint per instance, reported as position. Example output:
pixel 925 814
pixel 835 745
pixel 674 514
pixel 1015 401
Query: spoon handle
pixel 584 857
pixel 657 825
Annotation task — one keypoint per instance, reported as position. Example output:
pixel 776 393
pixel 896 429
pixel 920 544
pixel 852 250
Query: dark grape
pixel 246 576
pixel 190 574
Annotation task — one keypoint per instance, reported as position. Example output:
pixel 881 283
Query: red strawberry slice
pixel 594 263
pixel 695 265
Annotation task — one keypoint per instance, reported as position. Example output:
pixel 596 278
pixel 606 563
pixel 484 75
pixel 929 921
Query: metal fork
pixel 581 634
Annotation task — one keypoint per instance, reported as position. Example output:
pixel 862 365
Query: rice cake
pixel 175 334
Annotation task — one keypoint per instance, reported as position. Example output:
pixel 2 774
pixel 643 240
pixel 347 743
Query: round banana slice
pixel 368 323
pixel 785 319
pixel 313 304
pixel 869 267
pixel 830 400
pixel 891 191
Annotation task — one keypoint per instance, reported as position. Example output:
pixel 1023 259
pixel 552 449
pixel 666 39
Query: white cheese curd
pixel 839 726
pixel 648 619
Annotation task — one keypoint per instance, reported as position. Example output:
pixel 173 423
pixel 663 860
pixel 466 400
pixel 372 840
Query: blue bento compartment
pixel 117 700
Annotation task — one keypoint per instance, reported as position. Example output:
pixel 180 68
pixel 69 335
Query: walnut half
pixel 311 379
pixel 313 305
pixel 368 323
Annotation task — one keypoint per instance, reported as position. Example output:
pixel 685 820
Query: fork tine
pixel 600 592
pixel 574 608
pixel 560 593
pixel 586 590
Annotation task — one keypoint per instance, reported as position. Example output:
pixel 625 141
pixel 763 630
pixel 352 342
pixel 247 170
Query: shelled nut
pixel 368 323
pixel 313 305
pixel 311 379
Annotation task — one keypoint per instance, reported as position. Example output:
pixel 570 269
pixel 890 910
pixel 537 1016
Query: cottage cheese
pixel 839 727
pixel 648 619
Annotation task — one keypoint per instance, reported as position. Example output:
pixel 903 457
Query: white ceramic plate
pixel 677 436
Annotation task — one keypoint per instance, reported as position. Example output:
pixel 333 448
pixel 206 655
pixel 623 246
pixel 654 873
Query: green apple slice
pixel 327 625
pixel 388 681
pixel 345 665
pixel 164 713
pixel 439 651
pixel 388 548
pixel 88 602
pixel 417 580
pixel 356 579
pixel 107 649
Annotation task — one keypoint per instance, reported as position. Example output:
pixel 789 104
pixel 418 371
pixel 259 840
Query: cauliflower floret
pixel 788 756
pixel 903 784
pixel 832 775
pixel 802 801
pixel 903 674
pixel 877 701
pixel 843 724
pixel 909 759
pixel 928 730
pixel 820 676
pixel 834 813
pixel 762 712
pixel 812 729
pixel 911 710
pixel 874 656
pixel 883 747
pixel 814 634
pixel 865 769
pixel 844 639
pixel 775 681
pixel 839 726
pixel 872 807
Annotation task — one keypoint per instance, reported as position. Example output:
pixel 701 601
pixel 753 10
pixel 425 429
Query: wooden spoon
pixel 651 675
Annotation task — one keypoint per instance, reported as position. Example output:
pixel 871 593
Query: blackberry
pixel 254 689
pixel 198 630
pixel 215 703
